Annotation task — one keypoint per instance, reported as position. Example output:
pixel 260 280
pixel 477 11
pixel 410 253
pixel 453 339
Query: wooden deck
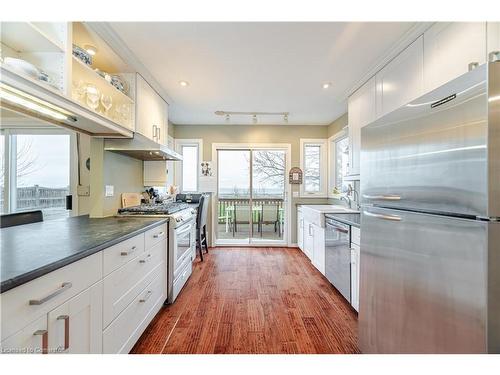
pixel 254 300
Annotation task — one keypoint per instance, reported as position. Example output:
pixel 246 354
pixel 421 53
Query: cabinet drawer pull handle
pixel 158 235
pixel 45 339
pixel 146 297
pixel 64 286
pixel 145 259
pixel 66 329
pixel 125 253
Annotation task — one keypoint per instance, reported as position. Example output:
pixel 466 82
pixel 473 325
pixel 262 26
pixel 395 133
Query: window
pixel 35 172
pixel 339 161
pixel 313 164
pixel 189 168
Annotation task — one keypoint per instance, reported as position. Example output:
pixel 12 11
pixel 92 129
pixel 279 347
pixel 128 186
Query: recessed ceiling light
pixel 91 50
pixel 184 83
pixel 326 85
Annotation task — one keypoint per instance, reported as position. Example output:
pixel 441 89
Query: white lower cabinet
pixel 76 326
pixel 308 247
pixel 75 310
pixel 121 335
pixel 32 339
pixel 300 229
pixel 318 257
pixel 314 244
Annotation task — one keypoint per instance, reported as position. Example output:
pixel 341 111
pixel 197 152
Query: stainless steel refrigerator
pixel 430 230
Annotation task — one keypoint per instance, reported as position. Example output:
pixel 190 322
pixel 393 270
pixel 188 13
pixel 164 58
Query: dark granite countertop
pixel 346 218
pixel 33 250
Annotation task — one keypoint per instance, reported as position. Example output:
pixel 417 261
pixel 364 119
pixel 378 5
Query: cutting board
pixel 131 199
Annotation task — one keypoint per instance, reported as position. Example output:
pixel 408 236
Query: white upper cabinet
pixel 362 109
pixel 402 79
pixel 151 112
pixel 449 49
pixel 493 38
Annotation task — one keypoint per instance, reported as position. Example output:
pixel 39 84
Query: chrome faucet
pixel 347 199
pixel 355 196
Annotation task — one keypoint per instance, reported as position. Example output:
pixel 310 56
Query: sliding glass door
pixel 251 196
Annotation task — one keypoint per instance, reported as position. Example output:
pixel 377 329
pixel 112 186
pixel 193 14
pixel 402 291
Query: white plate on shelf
pixel 22 66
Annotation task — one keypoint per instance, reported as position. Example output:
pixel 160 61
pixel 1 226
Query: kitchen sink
pixel 315 213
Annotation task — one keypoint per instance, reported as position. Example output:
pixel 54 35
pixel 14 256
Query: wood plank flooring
pixel 254 300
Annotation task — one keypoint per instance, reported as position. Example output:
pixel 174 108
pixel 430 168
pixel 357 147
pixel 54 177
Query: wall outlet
pixel 83 190
pixel 110 191
pixel 295 194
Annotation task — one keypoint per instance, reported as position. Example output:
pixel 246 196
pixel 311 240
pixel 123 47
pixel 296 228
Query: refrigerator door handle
pixel 385 197
pixel 383 217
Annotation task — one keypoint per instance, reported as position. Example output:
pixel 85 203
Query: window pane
pixel 42 174
pixel 312 168
pixel 189 168
pixel 2 172
pixel 268 177
pixel 341 162
pixel 234 174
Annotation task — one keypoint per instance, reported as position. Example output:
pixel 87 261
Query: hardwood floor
pixel 254 300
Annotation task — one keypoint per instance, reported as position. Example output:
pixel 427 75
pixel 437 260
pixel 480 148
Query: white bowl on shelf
pixel 22 66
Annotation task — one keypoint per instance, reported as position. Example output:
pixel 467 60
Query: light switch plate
pixel 110 190
pixel 295 194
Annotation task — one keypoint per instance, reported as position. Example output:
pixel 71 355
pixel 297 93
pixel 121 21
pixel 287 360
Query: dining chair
pixel 269 215
pixel 201 225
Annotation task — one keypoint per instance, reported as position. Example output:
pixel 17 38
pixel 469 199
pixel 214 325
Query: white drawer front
pixel 122 334
pixel 30 339
pixel 116 256
pixel 355 235
pixel 156 234
pixel 124 284
pixel 17 312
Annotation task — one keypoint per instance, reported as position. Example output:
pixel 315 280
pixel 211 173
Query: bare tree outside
pixel 312 168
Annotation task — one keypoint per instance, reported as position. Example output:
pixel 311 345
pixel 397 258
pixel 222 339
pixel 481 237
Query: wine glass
pixel 93 96
pixel 79 90
pixel 107 102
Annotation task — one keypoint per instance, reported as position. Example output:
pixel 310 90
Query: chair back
pixel 201 218
pixel 270 212
pixel 20 218
pixel 242 213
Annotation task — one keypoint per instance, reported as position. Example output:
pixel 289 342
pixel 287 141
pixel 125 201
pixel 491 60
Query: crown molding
pixel 109 35
pixel 406 39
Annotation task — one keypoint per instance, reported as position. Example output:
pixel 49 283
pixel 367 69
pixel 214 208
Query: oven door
pixel 183 244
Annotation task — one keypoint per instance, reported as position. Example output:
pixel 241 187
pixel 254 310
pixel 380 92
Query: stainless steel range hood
pixel 141 148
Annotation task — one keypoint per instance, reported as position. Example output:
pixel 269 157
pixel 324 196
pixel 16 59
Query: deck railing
pixel 38 197
pixel 225 204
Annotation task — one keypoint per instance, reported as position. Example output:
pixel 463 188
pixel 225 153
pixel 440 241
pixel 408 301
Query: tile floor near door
pixel 254 300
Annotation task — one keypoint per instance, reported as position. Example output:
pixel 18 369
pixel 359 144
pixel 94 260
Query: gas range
pixel 177 212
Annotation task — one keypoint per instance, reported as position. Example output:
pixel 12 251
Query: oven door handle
pixel 183 230
pixel 340 229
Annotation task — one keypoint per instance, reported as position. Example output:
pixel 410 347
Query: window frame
pixel 332 178
pixel 323 167
pixel 10 182
pixel 179 143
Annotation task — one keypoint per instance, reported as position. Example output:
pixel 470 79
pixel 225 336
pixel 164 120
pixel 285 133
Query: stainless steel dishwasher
pixel 338 256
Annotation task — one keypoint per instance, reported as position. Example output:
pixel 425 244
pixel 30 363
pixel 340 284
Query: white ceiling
pixel 259 67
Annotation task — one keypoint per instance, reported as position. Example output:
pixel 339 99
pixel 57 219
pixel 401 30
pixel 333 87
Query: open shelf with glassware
pixel 101 80
pixel 36 50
